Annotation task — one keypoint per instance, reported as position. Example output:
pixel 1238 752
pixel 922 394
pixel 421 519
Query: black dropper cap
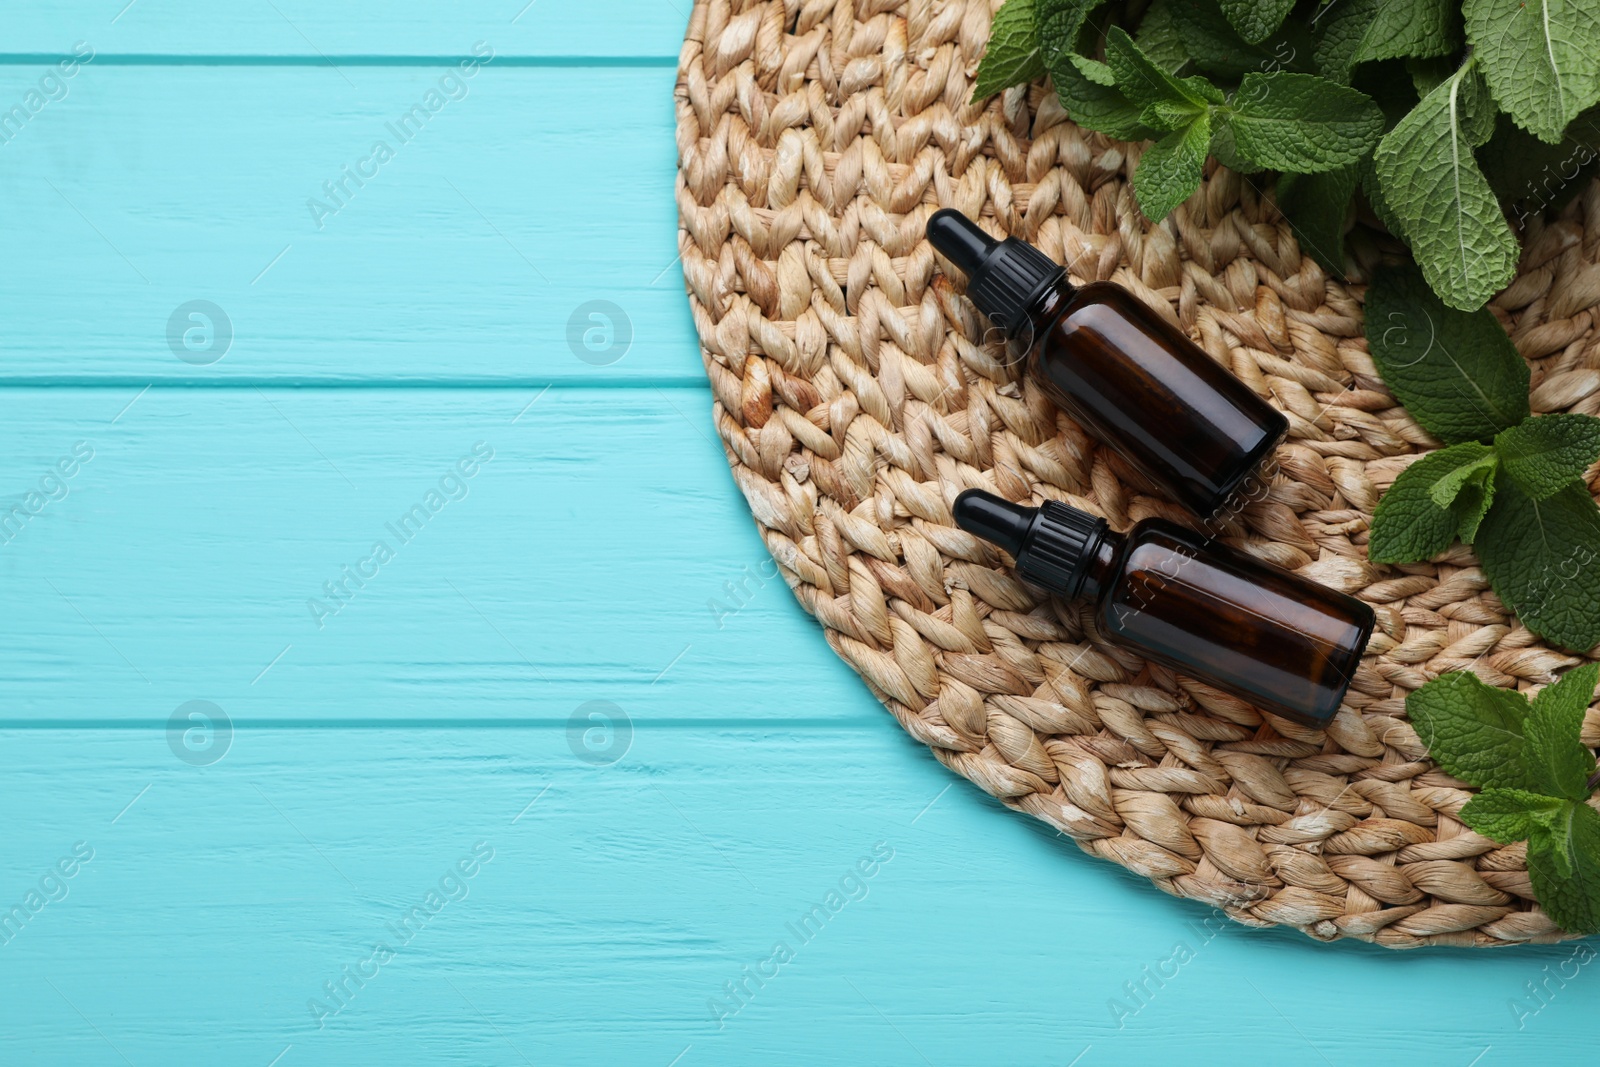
pixel 1004 278
pixel 1054 545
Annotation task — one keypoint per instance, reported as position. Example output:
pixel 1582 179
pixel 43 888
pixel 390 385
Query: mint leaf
pixel 1012 56
pixel 1145 83
pixel 1472 730
pixel 1216 46
pixel 1380 207
pixel 1555 756
pixel 1491 738
pixel 1227 153
pixel 1473 504
pixel 1255 20
pixel 1167 115
pixel 1357 31
pixel 1507 815
pixel 1171 170
pixel 1301 123
pixel 1545 453
pixel 1477 471
pixel 1456 371
pixel 1556 842
pixel 1059 23
pixel 1540 556
pixel 1161 38
pixel 1088 91
pixel 1564 864
pixel 1432 183
pixel 1468 491
pixel 1318 208
pixel 1541 58
pixel 1414 520
pixel 1428 73
pixel 1531 176
pixel 1569 696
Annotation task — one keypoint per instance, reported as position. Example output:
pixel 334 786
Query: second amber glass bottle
pixel 1125 374
pixel 1273 638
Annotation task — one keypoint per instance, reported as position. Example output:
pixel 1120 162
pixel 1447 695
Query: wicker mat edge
pixel 855 397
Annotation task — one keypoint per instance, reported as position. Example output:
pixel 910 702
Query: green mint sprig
pixel 1509 484
pixel 1013 55
pixel 1439 112
pixel 1535 777
pixel 1431 182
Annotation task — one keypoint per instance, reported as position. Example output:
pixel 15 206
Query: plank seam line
pixel 696 383
pixel 543 723
pixel 159 59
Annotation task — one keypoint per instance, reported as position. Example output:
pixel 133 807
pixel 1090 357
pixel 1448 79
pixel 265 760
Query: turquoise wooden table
pixel 393 672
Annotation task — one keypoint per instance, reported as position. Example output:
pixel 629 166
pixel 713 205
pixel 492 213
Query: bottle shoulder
pixel 1155 545
pixel 1098 308
pixel 1158 531
pixel 1099 292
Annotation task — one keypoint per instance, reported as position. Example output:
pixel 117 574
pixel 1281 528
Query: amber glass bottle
pixel 1275 639
pixel 1126 375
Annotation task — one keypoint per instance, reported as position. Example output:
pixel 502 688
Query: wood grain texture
pixel 466 257
pixel 618 905
pixel 216 904
pixel 305 29
pixel 601 553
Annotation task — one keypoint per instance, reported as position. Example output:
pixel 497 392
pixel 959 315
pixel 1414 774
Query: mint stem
pixel 1594 780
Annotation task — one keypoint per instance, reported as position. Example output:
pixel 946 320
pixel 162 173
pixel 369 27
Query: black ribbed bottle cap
pixel 1004 278
pixel 1054 545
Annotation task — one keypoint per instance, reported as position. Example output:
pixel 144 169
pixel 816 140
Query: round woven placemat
pixel 855 398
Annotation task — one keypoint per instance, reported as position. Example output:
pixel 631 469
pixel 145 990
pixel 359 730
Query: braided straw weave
pixel 855 398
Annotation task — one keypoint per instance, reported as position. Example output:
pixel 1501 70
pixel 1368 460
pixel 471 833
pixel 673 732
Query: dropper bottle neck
pixel 1005 279
pixel 1057 547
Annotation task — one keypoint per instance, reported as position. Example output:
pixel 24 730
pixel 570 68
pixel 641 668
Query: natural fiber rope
pixel 855 399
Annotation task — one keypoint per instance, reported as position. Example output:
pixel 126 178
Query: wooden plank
pixel 312 30
pixel 522 233
pixel 220 899
pixel 603 553
pixel 220 895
